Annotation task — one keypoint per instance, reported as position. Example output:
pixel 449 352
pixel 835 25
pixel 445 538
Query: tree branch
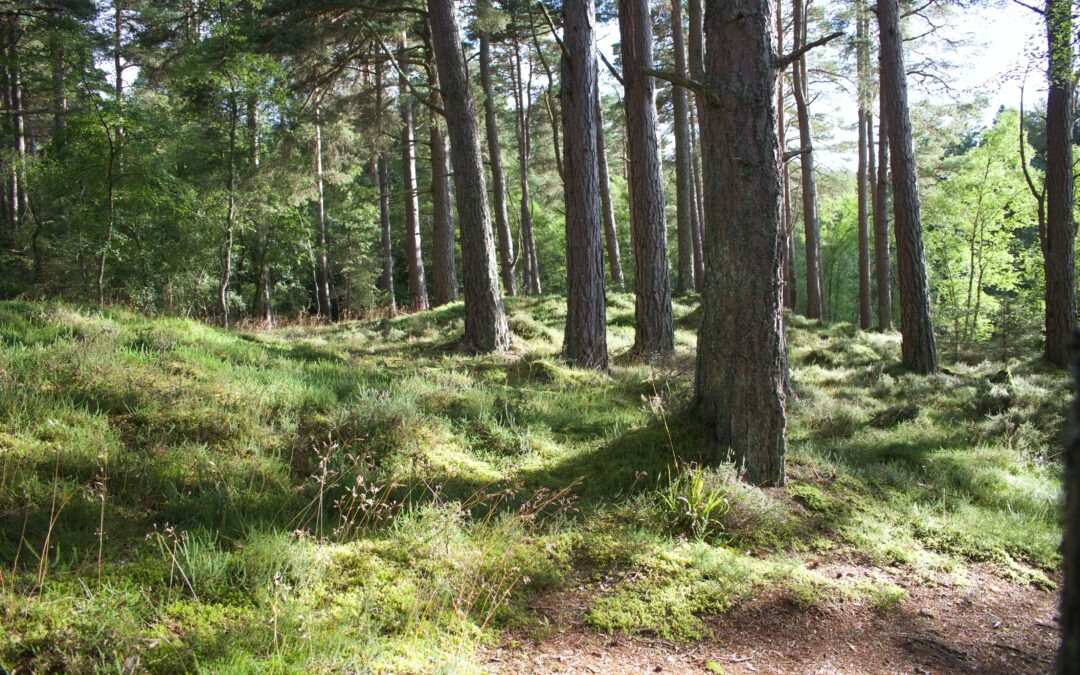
pixel 611 69
pixel 1031 7
pixel 423 100
pixel 554 31
pixel 792 154
pixel 785 61
pixel 677 80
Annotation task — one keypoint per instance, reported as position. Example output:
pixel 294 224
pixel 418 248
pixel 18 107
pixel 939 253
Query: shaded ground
pixel 984 625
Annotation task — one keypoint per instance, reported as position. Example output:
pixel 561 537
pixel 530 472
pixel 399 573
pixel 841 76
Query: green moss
pixel 364 496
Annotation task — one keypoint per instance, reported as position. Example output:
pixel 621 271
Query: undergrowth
pixel 365 497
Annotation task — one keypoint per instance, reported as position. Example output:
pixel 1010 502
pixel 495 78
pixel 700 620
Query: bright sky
pixel 999 42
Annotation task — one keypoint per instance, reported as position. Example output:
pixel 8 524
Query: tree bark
pixel 485 319
pixel 1060 236
pixel 697 215
pixel 654 332
pixel 607 209
pixel 585 337
pixel 443 272
pixel 741 343
pixel 261 306
pixel 418 296
pixel 696 66
pixel 684 227
pixel 862 54
pixel 790 277
pixel 444 276
pixel 523 105
pixel 59 96
pixel 498 176
pixel 230 214
pixel 383 183
pixel 815 304
pixel 321 255
pixel 918 344
pixel 18 120
pixel 549 97
pixel 882 263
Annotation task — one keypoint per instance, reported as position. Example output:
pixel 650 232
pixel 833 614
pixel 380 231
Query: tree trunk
pixel 498 177
pixel 418 297
pixel 696 41
pixel 697 215
pixel 549 98
pixel 321 255
pixel 791 299
pixel 741 343
pixel 862 54
pixel 815 304
pixel 684 280
pixel 59 96
pixel 262 306
pixel 485 320
pixel 230 215
pixel 918 345
pixel 654 332
pixel 882 264
pixel 1060 234
pixel 19 121
pixel 607 209
pixel 12 188
pixel 523 104
pixel 383 183
pixel 585 337
pixel 443 274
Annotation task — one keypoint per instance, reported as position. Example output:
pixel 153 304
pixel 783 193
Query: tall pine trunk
pixel 444 276
pixel 882 263
pixel 918 344
pixel 815 303
pixel 1060 235
pixel 498 176
pixel 485 319
pixel 261 304
pixel 790 279
pixel 522 107
pixel 418 296
pixel 585 337
pixel 322 256
pixel 230 214
pixel 684 227
pixel 696 67
pixel 443 273
pixel 654 332
pixel 696 214
pixel 862 54
pixel 383 183
pixel 741 344
pixel 607 209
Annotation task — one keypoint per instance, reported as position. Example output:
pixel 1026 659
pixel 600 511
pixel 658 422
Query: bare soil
pixel 984 625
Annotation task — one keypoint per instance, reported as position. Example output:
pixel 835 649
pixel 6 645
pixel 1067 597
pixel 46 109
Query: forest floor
pixel 363 497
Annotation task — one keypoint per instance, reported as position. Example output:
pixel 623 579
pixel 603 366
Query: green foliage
pixel 982 238
pixel 694 504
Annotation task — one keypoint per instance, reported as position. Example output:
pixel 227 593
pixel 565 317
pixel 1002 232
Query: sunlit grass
pixel 364 495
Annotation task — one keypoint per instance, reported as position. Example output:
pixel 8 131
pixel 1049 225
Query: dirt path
pixel 986 626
